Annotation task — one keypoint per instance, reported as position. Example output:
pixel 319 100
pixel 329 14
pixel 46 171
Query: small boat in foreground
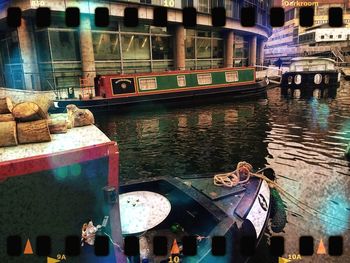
pixel 113 90
pixel 77 173
pixel 308 74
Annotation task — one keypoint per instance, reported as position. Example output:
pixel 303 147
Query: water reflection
pixel 302 139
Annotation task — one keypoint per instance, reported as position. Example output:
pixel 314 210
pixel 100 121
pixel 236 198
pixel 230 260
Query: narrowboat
pixel 111 90
pixel 73 179
pixel 308 74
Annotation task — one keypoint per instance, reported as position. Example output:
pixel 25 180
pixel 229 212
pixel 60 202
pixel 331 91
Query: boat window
pixel 148 83
pixel 204 79
pixel 322 37
pixel 231 76
pixel 330 36
pixel 339 36
pixel 181 80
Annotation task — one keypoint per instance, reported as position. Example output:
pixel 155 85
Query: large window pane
pixel 203 47
pixel 203 6
pixel 241 47
pixel 190 47
pixel 218 48
pixel 135 47
pixel 162 47
pixel 64 45
pixel 4 52
pixel 43 46
pixel 106 46
pixel 13 46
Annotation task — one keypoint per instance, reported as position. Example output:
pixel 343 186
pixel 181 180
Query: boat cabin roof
pixel 311 64
pixel 312 59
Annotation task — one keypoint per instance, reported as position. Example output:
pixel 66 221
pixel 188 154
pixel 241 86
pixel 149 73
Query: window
pixel 339 36
pixel 64 45
pixel 322 37
pixel 203 6
pixel 162 47
pixel 330 36
pixel 148 83
pixel 181 80
pixel 231 76
pixel 106 46
pixel 135 47
pixel 204 79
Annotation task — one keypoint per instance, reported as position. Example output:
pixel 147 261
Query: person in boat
pixel 279 63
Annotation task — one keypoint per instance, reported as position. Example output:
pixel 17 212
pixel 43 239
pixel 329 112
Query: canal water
pixel 303 140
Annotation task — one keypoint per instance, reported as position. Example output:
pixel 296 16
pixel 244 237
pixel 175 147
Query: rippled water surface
pixel 302 140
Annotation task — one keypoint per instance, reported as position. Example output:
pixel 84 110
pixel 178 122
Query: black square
pixel 335 17
pixel 160 16
pixel 73 246
pixel 306 16
pixel 247 245
pixel 131 17
pixel 189 244
pixel 160 246
pixel 101 16
pixel 14 15
pixel 43 246
pixel 72 17
pixel 131 246
pixel 306 245
pixel 218 246
pixel 218 16
pixel 248 16
pixel 43 17
pixel 335 245
pixel 14 246
pixel 189 17
pixel 277 246
pixel 101 246
pixel 276 16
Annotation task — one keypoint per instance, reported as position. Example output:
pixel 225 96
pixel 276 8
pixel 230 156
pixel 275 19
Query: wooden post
pixel 8 135
pixel 34 131
pixel 28 111
pixel 5 105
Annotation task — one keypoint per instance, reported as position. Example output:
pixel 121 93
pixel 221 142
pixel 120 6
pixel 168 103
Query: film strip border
pixel 189 16
pixel 160 246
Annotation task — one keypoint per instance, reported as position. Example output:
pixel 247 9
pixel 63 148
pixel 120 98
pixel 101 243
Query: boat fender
pixel 347 152
pixel 278 213
pixel 267 80
pixel 247 234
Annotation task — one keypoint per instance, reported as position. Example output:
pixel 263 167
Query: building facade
pixel 292 40
pixel 58 56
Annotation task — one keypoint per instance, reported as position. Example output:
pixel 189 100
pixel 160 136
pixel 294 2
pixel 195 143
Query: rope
pixel 233 178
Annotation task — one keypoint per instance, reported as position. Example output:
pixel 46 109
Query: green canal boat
pixel 112 90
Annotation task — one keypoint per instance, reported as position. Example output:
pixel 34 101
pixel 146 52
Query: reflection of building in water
pixel 292 40
pixel 230 117
pixel 205 119
pixel 182 121
pixel 147 127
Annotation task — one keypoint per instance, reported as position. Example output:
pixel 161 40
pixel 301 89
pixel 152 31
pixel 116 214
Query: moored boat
pixel 112 90
pixel 71 171
pixel 310 73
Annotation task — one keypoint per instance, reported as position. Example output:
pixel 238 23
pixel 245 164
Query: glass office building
pixel 58 56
